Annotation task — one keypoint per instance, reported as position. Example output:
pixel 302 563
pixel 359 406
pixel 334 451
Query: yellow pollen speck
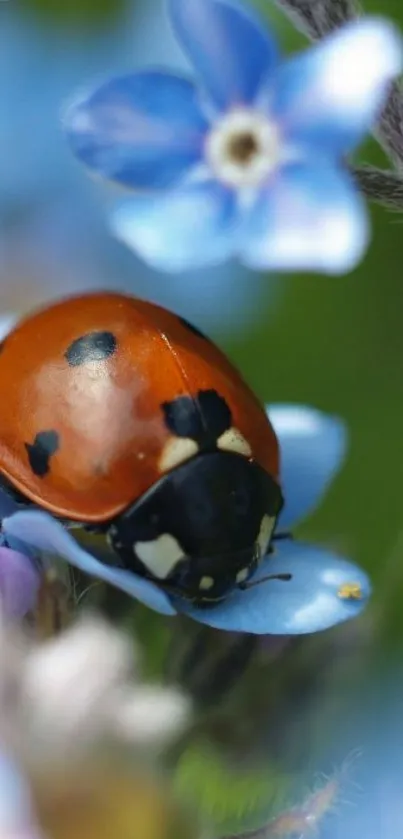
pixel 350 591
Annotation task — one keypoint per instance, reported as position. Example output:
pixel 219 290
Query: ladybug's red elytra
pixel 125 418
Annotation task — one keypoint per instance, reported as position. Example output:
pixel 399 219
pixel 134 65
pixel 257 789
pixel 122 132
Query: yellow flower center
pixel 243 148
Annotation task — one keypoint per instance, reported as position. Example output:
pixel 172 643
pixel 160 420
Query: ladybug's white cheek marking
pixel 160 556
pixel 265 533
pixel 233 441
pixel 206 583
pixel 176 451
pixel 243 575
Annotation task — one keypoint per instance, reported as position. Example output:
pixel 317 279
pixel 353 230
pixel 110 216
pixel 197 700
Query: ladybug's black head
pixel 201 530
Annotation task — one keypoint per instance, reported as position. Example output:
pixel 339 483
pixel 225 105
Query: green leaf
pixel 231 797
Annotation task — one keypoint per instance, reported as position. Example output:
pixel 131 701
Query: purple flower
pixel 250 163
pixel 323 589
pixel 19 583
pixel 19 572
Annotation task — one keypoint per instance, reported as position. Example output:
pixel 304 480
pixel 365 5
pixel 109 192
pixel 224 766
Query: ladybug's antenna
pixel 283 577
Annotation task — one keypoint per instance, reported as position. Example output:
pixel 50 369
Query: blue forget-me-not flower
pixel 52 222
pixel 323 589
pixel 251 161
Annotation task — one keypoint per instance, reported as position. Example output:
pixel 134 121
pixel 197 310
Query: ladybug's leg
pixel 279 536
pixel 283 577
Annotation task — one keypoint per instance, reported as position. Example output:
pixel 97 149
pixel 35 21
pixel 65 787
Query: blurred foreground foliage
pixel 266 712
pixel 230 796
pixel 108 802
pixel 88 13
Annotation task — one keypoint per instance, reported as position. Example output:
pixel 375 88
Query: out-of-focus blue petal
pixel 312 449
pixel 201 295
pixel 7 504
pixel 142 130
pixel 7 322
pixel 19 583
pixel 316 598
pixel 187 228
pixel 16 812
pixel 46 534
pixel 330 95
pixel 228 46
pixel 310 217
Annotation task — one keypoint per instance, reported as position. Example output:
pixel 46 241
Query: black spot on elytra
pixel 202 418
pixel 45 445
pixel 194 329
pixel 96 346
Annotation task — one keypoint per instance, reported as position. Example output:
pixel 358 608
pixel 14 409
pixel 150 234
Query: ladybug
pixel 123 418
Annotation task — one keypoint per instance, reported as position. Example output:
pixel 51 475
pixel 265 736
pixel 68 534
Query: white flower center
pixel 243 148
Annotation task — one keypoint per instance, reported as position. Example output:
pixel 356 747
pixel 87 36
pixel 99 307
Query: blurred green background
pixel 336 344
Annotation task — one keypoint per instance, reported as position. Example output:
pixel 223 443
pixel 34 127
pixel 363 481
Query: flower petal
pixel 309 218
pixel 143 130
pixel 16 812
pixel 324 590
pixel 7 504
pixel 312 448
pixel 228 46
pixel 330 95
pixel 188 228
pixel 7 323
pixel 46 534
pixel 19 583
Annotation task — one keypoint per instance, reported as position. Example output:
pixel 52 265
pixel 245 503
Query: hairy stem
pixel 316 18
pixel 381 186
